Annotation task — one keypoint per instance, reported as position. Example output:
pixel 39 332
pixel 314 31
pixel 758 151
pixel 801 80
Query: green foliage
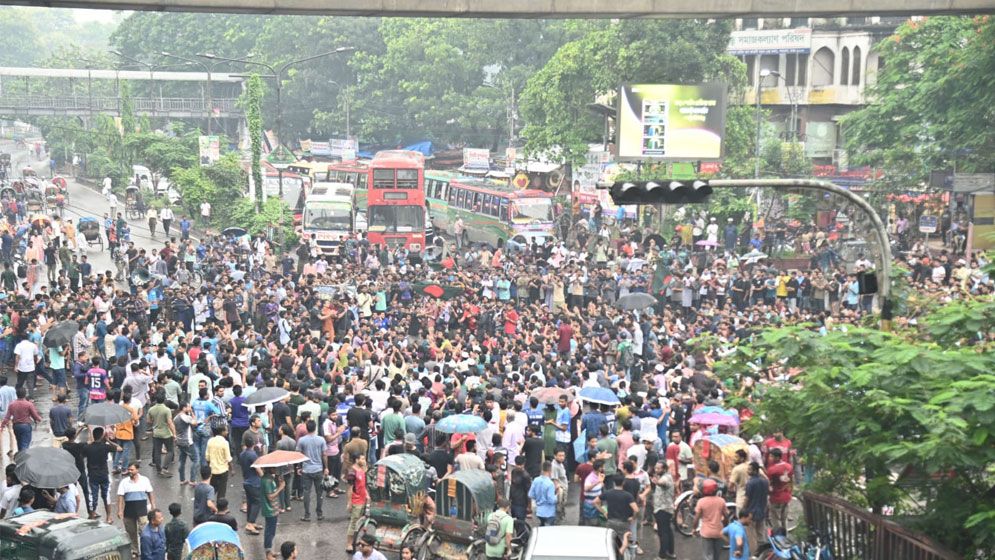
pixel 869 404
pixel 274 218
pixel 162 153
pixel 222 185
pixel 252 102
pixel 32 34
pixel 934 101
pixel 554 103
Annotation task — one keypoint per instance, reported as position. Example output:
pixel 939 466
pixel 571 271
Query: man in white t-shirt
pixel 28 355
pixel 205 212
pixel 112 203
pixel 106 190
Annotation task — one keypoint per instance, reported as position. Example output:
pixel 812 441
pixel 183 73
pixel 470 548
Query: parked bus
pixel 329 217
pixel 396 200
pixel 490 212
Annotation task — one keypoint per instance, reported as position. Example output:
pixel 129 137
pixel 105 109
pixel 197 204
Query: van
pixel 52 536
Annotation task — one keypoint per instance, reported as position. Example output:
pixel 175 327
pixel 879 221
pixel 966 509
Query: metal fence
pixel 859 535
pixel 109 104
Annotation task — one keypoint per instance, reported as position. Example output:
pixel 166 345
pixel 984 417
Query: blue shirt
pixel 592 422
pixel 314 447
pixel 204 408
pixel 239 414
pixel 122 345
pixel 733 531
pixel 153 543
pixel 543 492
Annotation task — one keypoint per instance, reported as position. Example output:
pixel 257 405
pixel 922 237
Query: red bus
pixel 396 200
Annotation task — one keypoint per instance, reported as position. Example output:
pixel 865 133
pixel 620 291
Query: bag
pixel 493 533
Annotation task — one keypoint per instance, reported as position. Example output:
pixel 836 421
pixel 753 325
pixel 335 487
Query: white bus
pixel 329 216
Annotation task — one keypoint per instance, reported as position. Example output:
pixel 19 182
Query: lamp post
pixel 151 68
pixel 209 68
pixel 348 134
pixel 763 74
pixel 277 73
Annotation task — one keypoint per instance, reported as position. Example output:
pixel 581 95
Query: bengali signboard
pixel 476 158
pixel 770 41
pixel 342 147
pixel 671 122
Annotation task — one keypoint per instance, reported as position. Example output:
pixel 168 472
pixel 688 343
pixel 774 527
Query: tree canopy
pixel 934 101
pixel 902 419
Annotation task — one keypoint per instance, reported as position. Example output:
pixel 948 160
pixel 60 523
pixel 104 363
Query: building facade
pixel 809 72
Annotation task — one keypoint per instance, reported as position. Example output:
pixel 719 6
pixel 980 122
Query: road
pixel 324 539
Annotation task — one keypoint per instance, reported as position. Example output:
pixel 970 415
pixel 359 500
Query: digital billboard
pixel 671 122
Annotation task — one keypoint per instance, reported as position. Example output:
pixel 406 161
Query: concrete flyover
pixel 541 8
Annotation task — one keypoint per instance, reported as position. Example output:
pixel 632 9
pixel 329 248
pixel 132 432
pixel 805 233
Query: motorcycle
pixel 780 547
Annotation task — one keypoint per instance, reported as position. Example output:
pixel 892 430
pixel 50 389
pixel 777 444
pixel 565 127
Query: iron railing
pixel 857 534
pixel 110 104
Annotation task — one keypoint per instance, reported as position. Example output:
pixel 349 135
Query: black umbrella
pixel 61 334
pixel 656 238
pixel 106 414
pixel 46 467
pixel 233 232
pixel 265 396
pixel 635 301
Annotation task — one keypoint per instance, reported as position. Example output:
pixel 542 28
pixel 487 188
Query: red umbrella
pixel 280 459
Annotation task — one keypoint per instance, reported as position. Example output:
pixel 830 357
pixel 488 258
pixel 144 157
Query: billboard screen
pixel 671 122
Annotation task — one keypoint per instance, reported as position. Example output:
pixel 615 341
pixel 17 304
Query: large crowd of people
pixel 182 334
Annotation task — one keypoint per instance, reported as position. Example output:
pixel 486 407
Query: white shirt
pixel 26 352
pixel 107 186
pixel 127 485
pixel 112 200
pixel 205 209
pixel 166 214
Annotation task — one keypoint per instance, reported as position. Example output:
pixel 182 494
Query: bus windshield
pixel 532 209
pixel 397 219
pixel 328 217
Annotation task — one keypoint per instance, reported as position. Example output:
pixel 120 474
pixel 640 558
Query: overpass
pixel 541 8
pixel 84 105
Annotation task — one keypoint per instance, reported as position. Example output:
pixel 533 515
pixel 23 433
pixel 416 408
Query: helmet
pixel 709 487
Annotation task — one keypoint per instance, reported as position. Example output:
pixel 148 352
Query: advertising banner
pixel 339 147
pixel 476 158
pixel 321 148
pixel 210 149
pixel 668 122
pixel 770 41
pixel 820 139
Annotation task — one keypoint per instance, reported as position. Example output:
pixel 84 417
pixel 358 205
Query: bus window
pixel 362 181
pixel 443 187
pixel 383 178
pixel 452 196
pixel 502 209
pixel 461 198
pixel 407 178
pixel 488 206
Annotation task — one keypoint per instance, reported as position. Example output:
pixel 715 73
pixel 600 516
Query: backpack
pixel 493 533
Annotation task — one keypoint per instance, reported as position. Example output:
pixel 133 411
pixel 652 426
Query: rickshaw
pixel 89 229
pixel 53 197
pixel 464 499
pixel 722 449
pixel 62 185
pixel 4 166
pixel 212 541
pixel 34 201
pixel 43 534
pixel 134 205
pixel 397 486
pixel 29 174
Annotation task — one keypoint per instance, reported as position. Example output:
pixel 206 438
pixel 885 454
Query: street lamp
pixel 151 77
pixel 277 74
pixel 763 74
pixel 209 68
pixel 348 135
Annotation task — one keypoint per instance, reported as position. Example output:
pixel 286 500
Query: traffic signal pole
pixel 684 192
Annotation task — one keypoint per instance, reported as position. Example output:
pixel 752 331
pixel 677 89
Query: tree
pixel 252 102
pixel 934 102
pixel 221 184
pixel 555 99
pixel 869 405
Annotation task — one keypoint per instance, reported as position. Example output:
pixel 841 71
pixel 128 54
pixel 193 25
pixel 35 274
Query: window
pixel 769 62
pixel 407 178
pixel 488 206
pixel 461 198
pixel 751 23
pixel 798 22
pixel 452 196
pixel 478 199
pixel 823 67
pixel 845 67
pixel 802 70
pixel 857 63
pixel 503 209
pixel 383 178
pixel 397 219
pixel 363 179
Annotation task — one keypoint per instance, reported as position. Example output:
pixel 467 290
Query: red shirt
pixel 771 443
pixel 359 494
pixel 565 333
pixel 779 475
pixel 21 411
pixel 510 321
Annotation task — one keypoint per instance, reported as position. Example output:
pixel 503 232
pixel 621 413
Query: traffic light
pixel 660 191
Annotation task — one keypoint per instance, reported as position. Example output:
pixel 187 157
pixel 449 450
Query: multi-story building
pixel 809 72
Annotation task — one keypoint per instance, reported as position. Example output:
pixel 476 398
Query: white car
pixel 571 542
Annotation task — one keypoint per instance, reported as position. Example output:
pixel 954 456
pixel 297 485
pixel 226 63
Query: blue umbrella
pixel 461 424
pixel 599 395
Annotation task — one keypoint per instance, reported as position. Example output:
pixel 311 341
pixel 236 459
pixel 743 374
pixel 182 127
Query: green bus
pixel 490 211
